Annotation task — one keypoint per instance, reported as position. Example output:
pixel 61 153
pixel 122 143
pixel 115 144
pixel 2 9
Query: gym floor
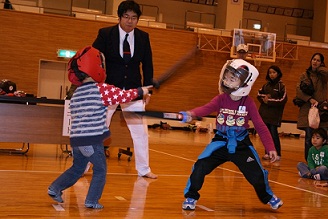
pixel 226 193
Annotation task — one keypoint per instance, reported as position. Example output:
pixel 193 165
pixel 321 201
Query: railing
pixel 296 29
pixel 146 7
pixel 199 21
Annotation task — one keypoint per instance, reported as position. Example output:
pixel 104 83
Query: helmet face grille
pixel 242 72
pixel 246 72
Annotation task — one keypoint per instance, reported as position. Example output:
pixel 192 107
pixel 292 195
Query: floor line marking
pixel 120 198
pixel 58 207
pixel 176 156
pixel 233 171
pixel 116 174
pixel 204 208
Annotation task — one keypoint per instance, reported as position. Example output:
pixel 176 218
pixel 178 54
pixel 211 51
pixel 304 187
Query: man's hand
pixel 146 98
pixel 146 89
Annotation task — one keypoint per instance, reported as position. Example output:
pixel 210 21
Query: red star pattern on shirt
pixel 112 95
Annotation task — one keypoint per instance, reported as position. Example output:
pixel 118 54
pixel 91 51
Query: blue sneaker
pixel 189 204
pixel 275 202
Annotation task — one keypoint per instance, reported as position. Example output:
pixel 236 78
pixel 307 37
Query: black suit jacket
pixel 118 72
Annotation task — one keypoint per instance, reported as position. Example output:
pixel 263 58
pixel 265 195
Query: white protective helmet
pixel 245 71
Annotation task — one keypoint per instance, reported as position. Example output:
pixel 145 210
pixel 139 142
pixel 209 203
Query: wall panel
pixel 26 38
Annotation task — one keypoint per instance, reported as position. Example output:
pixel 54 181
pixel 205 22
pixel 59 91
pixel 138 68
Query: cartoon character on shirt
pixel 230 116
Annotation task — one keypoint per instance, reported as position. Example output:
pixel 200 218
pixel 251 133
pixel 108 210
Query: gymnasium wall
pixel 27 37
pixel 173 12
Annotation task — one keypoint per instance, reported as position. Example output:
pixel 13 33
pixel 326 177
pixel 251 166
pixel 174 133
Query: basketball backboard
pixel 261 45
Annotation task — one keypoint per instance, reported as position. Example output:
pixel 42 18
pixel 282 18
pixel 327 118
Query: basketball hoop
pixel 256 58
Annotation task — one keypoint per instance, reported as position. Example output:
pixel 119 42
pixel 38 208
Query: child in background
pixel 231 142
pixel 317 160
pixel 88 108
pixel 273 98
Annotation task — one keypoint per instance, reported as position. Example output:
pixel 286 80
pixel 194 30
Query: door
pixel 53 81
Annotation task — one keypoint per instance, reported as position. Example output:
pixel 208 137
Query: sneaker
pixel 266 157
pixel 189 204
pixel 307 175
pixel 95 206
pixel 275 202
pixel 55 196
pixel 316 176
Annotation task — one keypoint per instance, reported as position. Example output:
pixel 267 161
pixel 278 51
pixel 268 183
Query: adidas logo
pixel 249 159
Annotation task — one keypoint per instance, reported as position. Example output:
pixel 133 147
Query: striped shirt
pixel 88 108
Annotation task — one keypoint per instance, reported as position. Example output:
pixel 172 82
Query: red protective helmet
pixel 87 61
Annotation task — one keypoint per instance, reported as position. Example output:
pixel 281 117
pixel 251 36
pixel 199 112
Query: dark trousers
pixel 275 136
pixel 307 141
pixel 245 158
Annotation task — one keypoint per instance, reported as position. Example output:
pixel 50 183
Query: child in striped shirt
pixel 88 108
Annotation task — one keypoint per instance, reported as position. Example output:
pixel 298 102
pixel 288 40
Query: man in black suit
pixel 126 74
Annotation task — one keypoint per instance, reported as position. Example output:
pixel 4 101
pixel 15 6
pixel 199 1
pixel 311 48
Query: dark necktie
pixel 126 49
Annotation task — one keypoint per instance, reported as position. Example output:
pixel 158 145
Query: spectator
pixel 273 98
pixel 317 160
pixel 312 89
pixel 242 51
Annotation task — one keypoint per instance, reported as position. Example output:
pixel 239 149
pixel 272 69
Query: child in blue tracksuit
pixel 231 142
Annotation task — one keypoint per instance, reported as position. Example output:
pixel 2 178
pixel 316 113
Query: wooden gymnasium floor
pixel 226 193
